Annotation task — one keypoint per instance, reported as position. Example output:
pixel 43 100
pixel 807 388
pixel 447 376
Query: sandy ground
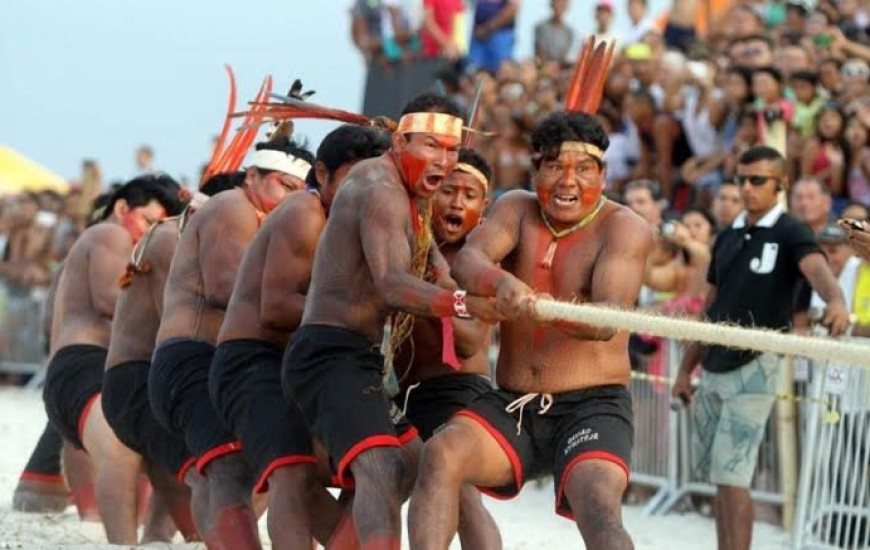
pixel 527 522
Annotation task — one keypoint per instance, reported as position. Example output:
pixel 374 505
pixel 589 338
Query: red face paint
pixel 591 196
pixel 412 168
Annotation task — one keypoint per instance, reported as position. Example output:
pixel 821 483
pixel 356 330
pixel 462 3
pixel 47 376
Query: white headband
pixel 268 159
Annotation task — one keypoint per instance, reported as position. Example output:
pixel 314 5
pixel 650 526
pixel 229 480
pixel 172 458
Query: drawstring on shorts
pixel 408 396
pixel 520 403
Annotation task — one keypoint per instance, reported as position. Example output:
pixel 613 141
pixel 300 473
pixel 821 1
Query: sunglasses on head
pixel 755 181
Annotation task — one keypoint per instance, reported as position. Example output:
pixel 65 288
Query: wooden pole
pixel 787 444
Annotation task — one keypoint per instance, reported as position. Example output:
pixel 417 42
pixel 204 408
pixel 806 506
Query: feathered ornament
pixel 587 83
pixel 583 96
pixel 288 108
pixel 229 158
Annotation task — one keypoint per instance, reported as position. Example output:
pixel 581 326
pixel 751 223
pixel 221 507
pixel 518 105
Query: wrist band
pixel 459 305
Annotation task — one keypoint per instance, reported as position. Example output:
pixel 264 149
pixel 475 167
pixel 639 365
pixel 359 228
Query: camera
pixel 668 230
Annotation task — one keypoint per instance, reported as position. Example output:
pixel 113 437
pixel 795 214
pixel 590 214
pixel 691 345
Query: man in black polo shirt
pixel 756 266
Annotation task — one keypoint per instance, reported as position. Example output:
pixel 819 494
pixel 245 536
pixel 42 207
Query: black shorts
pixel 245 388
pixel 128 412
pixel 593 423
pixel 73 383
pixel 44 463
pixel 335 376
pixel 679 38
pixel 430 404
pixel 178 392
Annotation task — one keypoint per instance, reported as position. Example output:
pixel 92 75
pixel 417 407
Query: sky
pixel 97 78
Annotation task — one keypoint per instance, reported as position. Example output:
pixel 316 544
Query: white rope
pixel 765 340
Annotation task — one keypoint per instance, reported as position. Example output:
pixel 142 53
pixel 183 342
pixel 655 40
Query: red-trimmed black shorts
pixel 593 423
pixel 178 392
pixel 245 388
pixel 335 376
pixel 429 405
pixel 44 462
pixel 128 412
pixel 73 383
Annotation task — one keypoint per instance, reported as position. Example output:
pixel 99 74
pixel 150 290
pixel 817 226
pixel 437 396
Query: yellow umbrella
pixel 19 173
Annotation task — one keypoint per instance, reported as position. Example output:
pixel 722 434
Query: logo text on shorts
pixel 583 436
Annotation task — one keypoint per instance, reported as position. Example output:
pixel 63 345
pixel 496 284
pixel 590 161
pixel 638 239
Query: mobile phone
pixel 857 225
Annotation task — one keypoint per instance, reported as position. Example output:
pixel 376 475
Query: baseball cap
pixel 604 5
pixel 833 234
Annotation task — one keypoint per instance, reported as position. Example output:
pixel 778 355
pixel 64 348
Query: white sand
pixel 527 522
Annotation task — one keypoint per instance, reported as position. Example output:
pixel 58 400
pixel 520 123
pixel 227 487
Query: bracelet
pixel 459 305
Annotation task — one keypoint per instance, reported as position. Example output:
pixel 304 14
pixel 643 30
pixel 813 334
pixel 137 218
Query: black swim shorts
pixel 128 412
pixel 73 383
pixel 245 388
pixel 178 392
pixel 431 403
pixel 335 376
pixel 592 423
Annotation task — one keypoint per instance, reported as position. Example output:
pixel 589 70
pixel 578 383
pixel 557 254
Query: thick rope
pixel 764 340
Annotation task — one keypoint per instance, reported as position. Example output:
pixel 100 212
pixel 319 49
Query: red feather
pixel 587 84
pixel 211 170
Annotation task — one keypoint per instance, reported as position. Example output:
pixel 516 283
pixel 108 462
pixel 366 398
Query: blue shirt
pixel 487 9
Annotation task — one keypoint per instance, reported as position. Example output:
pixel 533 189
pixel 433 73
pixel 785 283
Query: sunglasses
pixel 755 181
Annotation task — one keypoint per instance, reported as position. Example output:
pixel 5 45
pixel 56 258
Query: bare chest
pixel 562 267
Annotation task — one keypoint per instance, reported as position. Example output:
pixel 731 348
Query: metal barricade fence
pixel 22 341
pixel 662 453
pixel 834 493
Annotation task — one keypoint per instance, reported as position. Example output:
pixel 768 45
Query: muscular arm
pixel 816 270
pixel 383 220
pixel 107 259
pixel 618 274
pixel 475 267
pixel 287 272
pixel 222 243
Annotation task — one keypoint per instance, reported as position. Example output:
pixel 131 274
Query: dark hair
pixel 798 7
pixel 759 153
pixel 559 127
pixel 473 158
pixel 222 182
pixel 449 78
pixel 704 213
pixel 431 102
pixel 772 71
pixel 645 96
pixel 750 38
pixel 852 204
pixel 837 63
pixel 99 204
pixel 806 76
pixel 652 186
pixel 144 189
pixel 348 143
pixel 286 146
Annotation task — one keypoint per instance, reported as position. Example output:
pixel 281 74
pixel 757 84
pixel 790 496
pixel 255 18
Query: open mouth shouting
pixel 432 183
pixel 565 201
pixel 452 222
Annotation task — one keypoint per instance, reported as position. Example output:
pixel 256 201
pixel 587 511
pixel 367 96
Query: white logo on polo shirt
pixel 766 263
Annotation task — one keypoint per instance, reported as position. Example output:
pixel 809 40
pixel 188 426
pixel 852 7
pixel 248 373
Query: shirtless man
pixel 125 388
pixel 563 407
pixel 370 263
pixel 266 306
pixel 198 290
pixel 81 327
pixel 433 391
